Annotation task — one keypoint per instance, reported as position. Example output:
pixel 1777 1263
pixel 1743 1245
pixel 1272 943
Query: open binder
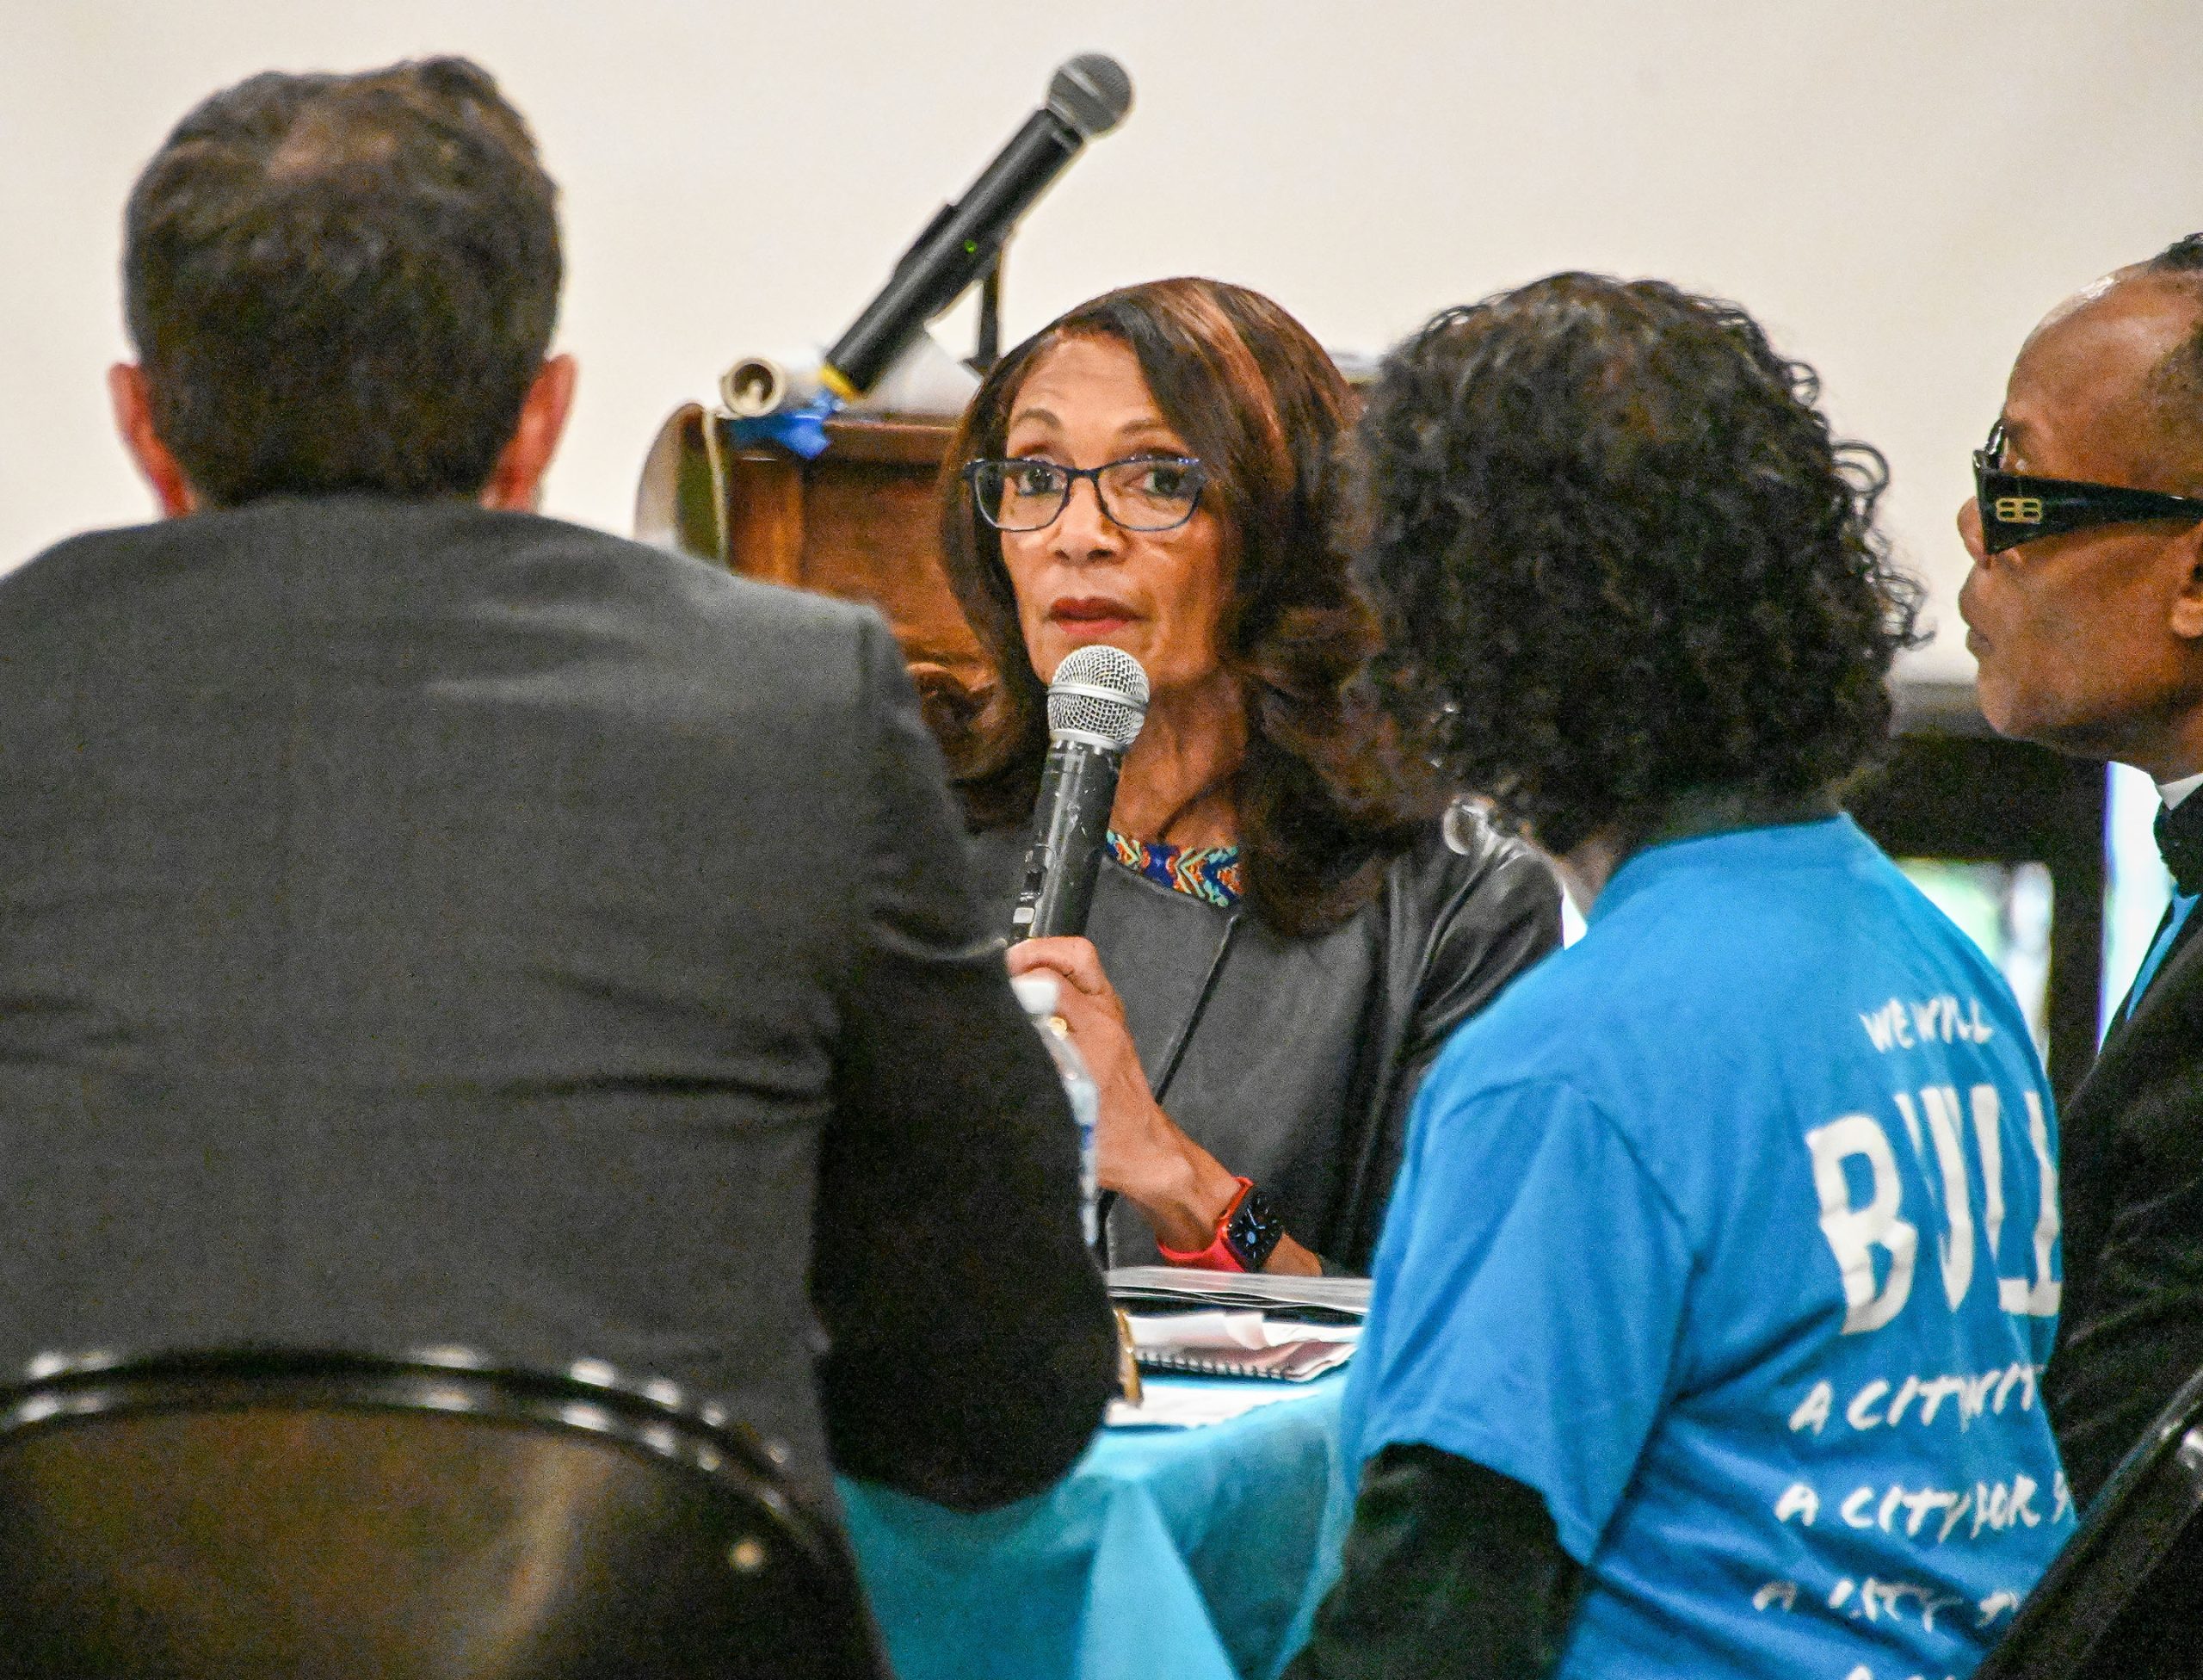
pixel 1234 1324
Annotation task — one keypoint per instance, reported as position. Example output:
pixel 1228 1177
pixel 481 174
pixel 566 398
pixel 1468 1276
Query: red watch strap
pixel 1217 1255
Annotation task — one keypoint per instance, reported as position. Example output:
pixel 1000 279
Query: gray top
pixel 1293 1060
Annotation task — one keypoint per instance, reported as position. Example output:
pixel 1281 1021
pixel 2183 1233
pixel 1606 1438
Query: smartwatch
pixel 1247 1230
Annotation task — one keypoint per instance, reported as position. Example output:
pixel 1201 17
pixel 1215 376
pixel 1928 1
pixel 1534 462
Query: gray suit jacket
pixel 426 926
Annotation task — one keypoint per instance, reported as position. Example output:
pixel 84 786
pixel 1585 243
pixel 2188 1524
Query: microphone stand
pixel 987 350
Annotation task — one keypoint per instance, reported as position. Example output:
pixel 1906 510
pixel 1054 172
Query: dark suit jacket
pixel 2130 1327
pixel 1294 1060
pixel 426 926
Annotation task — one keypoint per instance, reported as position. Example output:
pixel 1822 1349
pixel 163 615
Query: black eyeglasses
pixel 2017 507
pixel 1141 493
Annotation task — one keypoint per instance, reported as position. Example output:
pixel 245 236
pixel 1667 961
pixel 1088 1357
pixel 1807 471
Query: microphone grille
pixel 1099 690
pixel 1091 93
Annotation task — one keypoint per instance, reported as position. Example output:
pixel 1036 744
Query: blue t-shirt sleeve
pixel 1527 1315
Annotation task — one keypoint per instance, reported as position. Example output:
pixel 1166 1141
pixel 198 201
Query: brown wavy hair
pixel 1320 800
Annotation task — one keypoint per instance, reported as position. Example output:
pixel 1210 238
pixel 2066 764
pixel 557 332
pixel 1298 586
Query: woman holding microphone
pixel 1281 937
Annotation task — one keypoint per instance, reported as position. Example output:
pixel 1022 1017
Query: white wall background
pixel 1898 188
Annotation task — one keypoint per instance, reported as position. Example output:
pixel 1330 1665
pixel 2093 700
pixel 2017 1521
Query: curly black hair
pixel 1622 558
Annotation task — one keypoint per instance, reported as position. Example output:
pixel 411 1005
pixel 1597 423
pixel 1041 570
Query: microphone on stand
pixel 1088 96
pixel 1095 707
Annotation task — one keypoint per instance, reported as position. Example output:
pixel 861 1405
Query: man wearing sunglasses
pixel 2085 610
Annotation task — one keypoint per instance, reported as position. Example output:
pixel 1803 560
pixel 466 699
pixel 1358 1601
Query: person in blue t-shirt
pixel 1724 1262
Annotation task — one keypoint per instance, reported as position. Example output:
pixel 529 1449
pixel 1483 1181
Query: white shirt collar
pixel 2172 792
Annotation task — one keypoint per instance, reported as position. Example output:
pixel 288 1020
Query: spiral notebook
pixel 1239 1343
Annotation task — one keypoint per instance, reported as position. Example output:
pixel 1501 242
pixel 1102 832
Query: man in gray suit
pixel 426 922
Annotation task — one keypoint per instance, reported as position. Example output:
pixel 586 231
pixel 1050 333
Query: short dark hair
pixel 2176 382
pixel 1255 396
pixel 343 282
pixel 2183 255
pixel 1621 557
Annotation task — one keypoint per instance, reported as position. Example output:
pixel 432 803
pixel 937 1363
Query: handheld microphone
pixel 1088 96
pixel 1095 707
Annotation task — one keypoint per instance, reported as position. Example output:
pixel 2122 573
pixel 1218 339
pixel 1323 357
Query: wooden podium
pixel 858 521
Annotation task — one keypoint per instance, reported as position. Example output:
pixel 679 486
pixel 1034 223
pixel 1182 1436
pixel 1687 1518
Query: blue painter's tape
pixel 800 431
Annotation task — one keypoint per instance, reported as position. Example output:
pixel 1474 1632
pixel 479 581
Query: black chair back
pixel 2124 1600
pixel 313 1515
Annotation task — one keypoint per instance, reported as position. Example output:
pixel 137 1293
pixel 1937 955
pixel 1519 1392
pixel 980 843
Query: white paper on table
pixel 1229 1330
pixel 1168 1406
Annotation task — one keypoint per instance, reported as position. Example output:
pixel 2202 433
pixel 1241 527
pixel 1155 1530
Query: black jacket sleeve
pixel 1449 1569
pixel 2130 1188
pixel 972 1349
pixel 1460 936
pixel 1504 919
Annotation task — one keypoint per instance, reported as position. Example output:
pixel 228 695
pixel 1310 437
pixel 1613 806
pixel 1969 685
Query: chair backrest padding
pixel 307 1537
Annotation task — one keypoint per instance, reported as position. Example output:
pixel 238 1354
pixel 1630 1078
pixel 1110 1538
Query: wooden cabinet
pixel 858 521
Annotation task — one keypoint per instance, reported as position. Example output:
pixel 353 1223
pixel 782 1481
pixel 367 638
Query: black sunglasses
pixel 2017 507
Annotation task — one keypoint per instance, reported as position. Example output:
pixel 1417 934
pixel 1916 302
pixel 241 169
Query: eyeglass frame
pixel 2019 507
pixel 1194 464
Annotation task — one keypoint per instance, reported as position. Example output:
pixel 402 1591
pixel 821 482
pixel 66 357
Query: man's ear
pixel 2188 605
pixel 133 420
pixel 516 483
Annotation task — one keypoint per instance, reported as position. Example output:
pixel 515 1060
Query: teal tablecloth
pixel 1182 1553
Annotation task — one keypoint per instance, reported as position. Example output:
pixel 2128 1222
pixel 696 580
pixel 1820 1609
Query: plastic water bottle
pixel 1038 992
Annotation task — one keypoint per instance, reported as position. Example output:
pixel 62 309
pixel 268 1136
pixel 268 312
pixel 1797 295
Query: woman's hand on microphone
pixel 1141 1152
